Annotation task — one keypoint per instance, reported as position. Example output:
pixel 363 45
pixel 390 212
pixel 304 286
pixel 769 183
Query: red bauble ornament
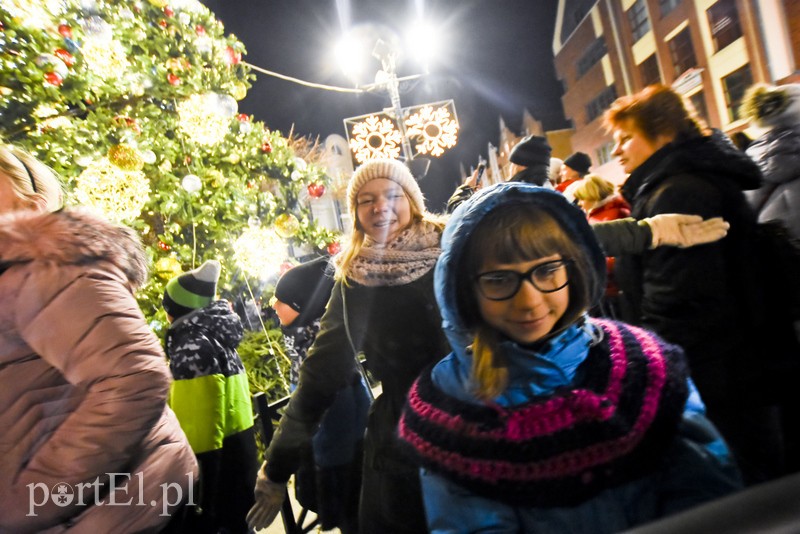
pixel 315 190
pixel 163 246
pixel 243 117
pixel 266 147
pixel 66 57
pixel 232 57
pixel 53 79
pixel 163 23
pixel 199 30
pixel 173 80
pixel 187 160
pixel 65 30
pixel 333 248
pixel 168 11
pixel 250 184
pixel 285 266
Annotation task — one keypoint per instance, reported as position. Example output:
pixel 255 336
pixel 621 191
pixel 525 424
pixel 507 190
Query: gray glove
pixel 678 230
pixel 269 498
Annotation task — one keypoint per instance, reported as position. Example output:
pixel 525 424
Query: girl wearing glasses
pixel 543 419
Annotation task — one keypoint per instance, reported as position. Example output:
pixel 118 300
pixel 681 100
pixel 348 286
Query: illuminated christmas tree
pixel 135 105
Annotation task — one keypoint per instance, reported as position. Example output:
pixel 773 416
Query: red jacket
pixel 610 209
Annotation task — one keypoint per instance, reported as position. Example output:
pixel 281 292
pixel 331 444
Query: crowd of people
pixel 555 353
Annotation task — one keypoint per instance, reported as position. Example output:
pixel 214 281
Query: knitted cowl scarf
pixel 406 258
pixel 611 426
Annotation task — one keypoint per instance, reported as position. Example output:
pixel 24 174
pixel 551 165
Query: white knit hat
pixel 390 169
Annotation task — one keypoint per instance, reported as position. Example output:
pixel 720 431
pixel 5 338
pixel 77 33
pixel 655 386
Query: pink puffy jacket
pixel 87 442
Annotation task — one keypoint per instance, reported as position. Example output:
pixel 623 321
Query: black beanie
pixel 306 288
pixel 532 150
pixel 579 162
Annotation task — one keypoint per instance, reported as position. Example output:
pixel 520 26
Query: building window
pixel 698 101
pixel 600 103
pixel 592 55
pixel 637 16
pixel 682 52
pixel 604 154
pixel 666 6
pixel 734 85
pixel 648 69
pixel 723 18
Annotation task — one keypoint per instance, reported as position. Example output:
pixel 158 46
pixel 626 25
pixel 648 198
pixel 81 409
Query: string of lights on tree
pixel 135 105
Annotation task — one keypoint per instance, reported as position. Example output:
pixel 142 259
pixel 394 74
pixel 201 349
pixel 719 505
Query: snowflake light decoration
pixel 435 130
pixel 375 137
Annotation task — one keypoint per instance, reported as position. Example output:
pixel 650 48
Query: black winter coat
pixel 700 297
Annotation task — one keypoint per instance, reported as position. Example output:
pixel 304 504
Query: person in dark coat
pixel 382 304
pixel 704 298
pixel 211 397
pixel 329 482
pixel 530 161
pixel 776 110
pixel 574 168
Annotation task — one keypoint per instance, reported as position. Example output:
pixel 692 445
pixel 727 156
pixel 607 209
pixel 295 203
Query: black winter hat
pixel 306 288
pixel 532 150
pixel 579 162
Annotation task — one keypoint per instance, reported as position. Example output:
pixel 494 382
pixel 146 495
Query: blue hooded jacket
pixel 700 462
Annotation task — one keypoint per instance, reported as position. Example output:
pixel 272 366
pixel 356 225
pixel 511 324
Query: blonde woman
pixel 382 304
pixel 83 380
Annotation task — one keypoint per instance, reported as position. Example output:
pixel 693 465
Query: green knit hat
pixel 192 290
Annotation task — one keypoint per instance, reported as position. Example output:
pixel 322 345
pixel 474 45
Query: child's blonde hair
pixel 593 188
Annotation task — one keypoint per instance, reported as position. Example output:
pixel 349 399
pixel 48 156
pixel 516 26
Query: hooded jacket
pixel 83 382
pixel 211 397
pixel 484 461
pixel 777 153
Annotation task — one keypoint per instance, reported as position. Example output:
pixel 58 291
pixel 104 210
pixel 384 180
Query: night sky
pixel 497 60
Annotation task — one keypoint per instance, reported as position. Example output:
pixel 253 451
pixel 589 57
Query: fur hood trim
pixel 71 237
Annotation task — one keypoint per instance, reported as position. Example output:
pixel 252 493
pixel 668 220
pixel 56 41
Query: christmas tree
pixel 134 104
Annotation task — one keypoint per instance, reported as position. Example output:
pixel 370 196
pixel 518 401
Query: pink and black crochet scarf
pixel 611 427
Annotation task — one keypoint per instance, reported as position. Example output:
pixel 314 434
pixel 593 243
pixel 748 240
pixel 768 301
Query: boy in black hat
pixel 211 397
pixel 330 483
pixel 574 168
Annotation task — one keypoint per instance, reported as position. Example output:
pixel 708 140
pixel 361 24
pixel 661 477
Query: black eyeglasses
pixel 546 277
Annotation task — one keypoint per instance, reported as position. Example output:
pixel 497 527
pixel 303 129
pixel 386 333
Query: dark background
pixel 498 60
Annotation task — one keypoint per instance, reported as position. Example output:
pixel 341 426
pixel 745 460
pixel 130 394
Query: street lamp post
pixel 386 55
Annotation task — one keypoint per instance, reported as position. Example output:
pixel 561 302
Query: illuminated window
pixel 649 71
pixel 723 19
pixel 734 85
pixel 637 16
pixel 682 52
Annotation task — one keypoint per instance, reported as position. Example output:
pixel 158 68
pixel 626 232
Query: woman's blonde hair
pixel 593 188
pixel 515 233
pixel 30 177
pixel 344 260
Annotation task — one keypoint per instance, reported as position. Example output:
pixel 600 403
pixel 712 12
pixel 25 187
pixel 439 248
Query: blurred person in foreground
pixel 83 379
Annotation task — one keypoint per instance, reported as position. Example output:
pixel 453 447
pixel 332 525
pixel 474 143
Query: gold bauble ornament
pixel 125 157
pixel 167 268
pixel 286 225
pixel 239 91
pixel 158 3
